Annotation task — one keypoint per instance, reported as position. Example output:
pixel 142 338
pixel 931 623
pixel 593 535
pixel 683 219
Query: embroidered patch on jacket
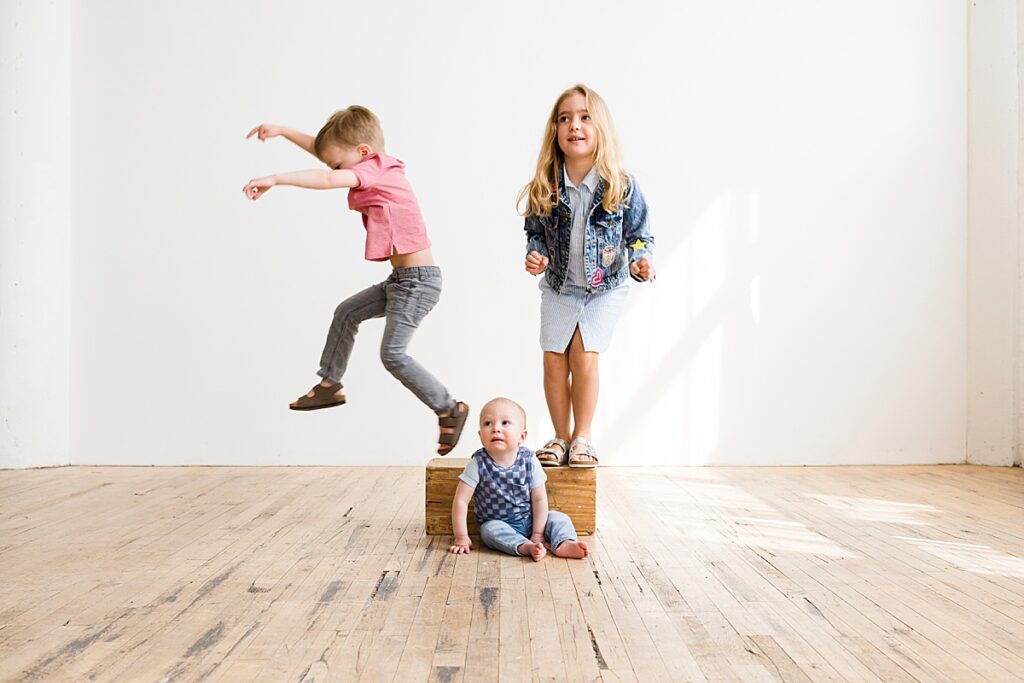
pixel 598 278
pixel 638 245
pixel 608 255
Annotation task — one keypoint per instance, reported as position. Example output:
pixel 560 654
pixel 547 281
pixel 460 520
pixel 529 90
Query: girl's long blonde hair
pixel 538 192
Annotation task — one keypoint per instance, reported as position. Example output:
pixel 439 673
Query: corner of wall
pixel 1018 398
pixel 35 234
pixel 993 233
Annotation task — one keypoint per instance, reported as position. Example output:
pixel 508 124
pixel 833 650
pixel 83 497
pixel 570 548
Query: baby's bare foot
pixel 573 549
pixel 534 550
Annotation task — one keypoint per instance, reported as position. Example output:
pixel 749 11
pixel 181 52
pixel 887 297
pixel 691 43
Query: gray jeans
pixel 404 299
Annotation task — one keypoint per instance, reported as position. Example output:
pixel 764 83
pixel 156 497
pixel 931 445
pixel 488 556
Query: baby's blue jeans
pixel 508 536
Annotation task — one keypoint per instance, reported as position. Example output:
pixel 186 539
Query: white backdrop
pixel 804 163
pixel 35 90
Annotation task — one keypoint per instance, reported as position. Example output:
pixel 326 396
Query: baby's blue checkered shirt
pixel 503 492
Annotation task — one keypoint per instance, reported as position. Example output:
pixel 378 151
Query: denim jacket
pixel 612 241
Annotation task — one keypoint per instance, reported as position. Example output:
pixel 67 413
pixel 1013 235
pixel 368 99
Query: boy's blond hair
pixel 539 192
pixel 351 127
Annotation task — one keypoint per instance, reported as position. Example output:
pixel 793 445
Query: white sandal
pixel 556 459
pixel 581 446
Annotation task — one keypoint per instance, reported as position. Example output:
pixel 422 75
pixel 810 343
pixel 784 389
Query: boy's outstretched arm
pixel 460 505
pixel 314 179
pixel 272 130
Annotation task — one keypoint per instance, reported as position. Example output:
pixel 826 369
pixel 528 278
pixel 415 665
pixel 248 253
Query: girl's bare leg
pixel 584 387
pixel 556 391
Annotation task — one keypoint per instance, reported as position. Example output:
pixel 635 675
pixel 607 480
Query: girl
pixel 586 229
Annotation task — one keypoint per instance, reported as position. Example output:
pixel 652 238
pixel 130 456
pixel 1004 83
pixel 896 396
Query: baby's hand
pixel 535 263
pixel 257 187
pixel 264 131
pixel 642 268
pixel 461 546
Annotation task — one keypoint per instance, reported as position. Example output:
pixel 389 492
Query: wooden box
pixel 570 490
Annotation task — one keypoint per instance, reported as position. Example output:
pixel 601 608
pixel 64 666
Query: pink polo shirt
pixel 391 214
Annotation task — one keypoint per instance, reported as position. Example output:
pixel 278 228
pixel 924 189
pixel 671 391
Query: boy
pixel 351 143
pixel 506 483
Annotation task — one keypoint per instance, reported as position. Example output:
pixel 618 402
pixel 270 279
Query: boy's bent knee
pixel 394 362
pixel 344 311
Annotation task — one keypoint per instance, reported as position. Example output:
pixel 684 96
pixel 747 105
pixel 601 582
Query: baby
pixel 506 483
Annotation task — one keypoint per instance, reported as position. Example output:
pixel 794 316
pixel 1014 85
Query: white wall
pixel 1019 348
pixel 993 270
pixel 805 165
pixel 34 232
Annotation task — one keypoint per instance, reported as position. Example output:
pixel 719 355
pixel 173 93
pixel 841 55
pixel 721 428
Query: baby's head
pixel 502 426
pixel 349 136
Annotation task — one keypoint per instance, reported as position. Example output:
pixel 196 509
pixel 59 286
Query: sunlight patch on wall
pixel 705 390
pixel 753 218
pixel 755 299
pixel 708 251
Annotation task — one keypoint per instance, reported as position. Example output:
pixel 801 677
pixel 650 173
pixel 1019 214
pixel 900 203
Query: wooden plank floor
pixel 316 574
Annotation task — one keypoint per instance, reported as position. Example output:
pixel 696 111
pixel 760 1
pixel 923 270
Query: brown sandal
pixel 323 397
pixel 455 419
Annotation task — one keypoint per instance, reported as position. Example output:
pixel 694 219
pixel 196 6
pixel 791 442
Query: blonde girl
pixel 586 231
